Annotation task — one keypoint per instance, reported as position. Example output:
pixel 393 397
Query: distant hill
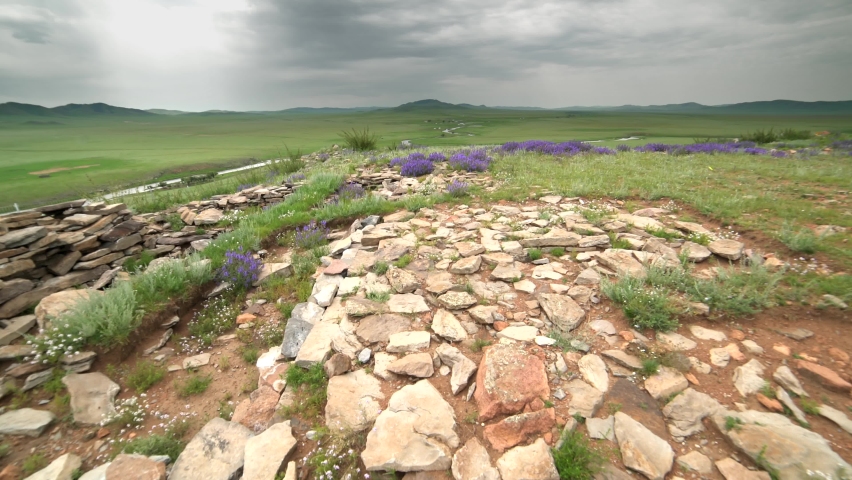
pixel 164 111
pixel 70 110
pixel 432 104
pixel 773 107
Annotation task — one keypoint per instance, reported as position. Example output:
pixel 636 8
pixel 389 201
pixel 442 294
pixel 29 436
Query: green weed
pixel 557 251
pixel 575 460
pixel 144 375
pixel 811 407
pixel 381 297
pixel 650 366
pixel 403 261
pixel 803 240
pixel 360 140
pixel 249 354
pixel 381 267
pixel 534 254
pixel 479 344
pixel 310 388
pixel 34 463
pixel 647 308
pixel 194 385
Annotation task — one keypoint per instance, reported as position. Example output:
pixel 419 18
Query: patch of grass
pixel 479 344
pixel 168 443
pixel 217 316
pixel 381 267
pixel 5 449
pixel 34 463
pixel 286 309
pixel 381 297
pixel 650 366
pixel 471 417
pixel 764 465
pixel 557 251
pixel 175 222
pixel 614 407
pixel 732 423
pixel 562 341
pixel 811 407
pixel 620 243
pixel 337 456
pixel 310 388
pixel 224 363
pixel 663 233
pixel 360 140
pixel 144 375
pixel 134 264
pixel 534 254
pixel 699 238
pixel 575 460
pixel 803 240
pixel 226 407
pixel 647 308
pixel 55 385
pixel 249 354
pixel 403 261
pixel 194 385
pixel 767 390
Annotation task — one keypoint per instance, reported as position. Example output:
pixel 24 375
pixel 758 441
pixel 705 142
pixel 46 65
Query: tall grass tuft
pixel 803 240
pixel 360 141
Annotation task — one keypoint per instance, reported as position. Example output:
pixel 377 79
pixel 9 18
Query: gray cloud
pixel 277 54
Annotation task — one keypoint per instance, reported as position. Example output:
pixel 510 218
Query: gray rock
pixel 622 262
pixel 641 450
pixel 407 303
pixel 532 462
pixel 562 310
pixel 781 445
pixel 696 462
pixel 446 325
pixel 720 357
pixel 730 249
pixel 748 378
pixel 702 333
pixel 695 252
pixel 216 452
pixel 414 365
pixel 307 312
pixel 483 313
pixel 788 380
pixel 593 370
pixel 457 300
pixel 416 432
pixel 524 333
pixel 585 399
pixel 623 358
pixel 378 328
pixel 196 361
pixel 269 270
pixel 472 462
pixel 589 276
pixel 837 417
pixel 295 334
pixel 785 399
pixel 732 470
pixel 25 421
pixel 408 342
pixel 686 411
pixel 403 281
pixel 353 401
pixel 364 355
pixel 317 345
pixel 601 428
pixel 666 382
pixel 462 367
pixel 22 237
pixel 266 453
pixel 466 266
pixel 60 469
pixel 675 341
pixel 92 396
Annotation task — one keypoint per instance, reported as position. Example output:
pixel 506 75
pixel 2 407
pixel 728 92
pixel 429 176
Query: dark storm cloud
pixel 268 54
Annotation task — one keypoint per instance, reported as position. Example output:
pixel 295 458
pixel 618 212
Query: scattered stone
pixel 731 470
pixel 588 276
pixel 797 334
pixel 622 262
pixel 829 299
pixel 462 367
pixel 216 452
pixel 506 273
pixel 483 313
pixel 837 417
pixel 269 270
pixel 696 462
pixel 472 462
pixel 402 280
pixel 62 468
pixel 720 357
pixel 196 361
pixel 585 399
pixel 353 401
pixel 524 333
pixel 508 379
pixel 519 428
pixel 135 466
pixel 466 266
pixel 623 358
pixel 641 450
pixel 730 249
pixel 702 333
pixel 532 462
pixel 784 398
pixel 593 370
pixel 92 396
pixel 317 345
pixel 266 453
pixel 695 252
pixel 748 379
pixel 378 328
pixel 752 347
pixel 525 286
pixel 407 303
pixel 415 365
pixel 686 411
pixel 675 341
pixel 408 342
pixel 562 310
pixel 25 421
pixel 771 404
pixel 666 382
pixel 416 432
pixel 338 364
pixel 446 325
pixel 457 300
pixel 601 428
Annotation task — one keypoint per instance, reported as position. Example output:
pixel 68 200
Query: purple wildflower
pixel 312 235
pixel 436 157
pixel 350 191
pixel 416 167
pixel 240 269
pixel 457 188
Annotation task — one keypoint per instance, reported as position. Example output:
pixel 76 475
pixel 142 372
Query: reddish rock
pixel 692 379
pixel 245 318
pixel 507 380
pixel 256 411
pixel 770 403
pixel 735 352
pixel 102 432
pixel 838 354
pixel 627 335
pixel 274 376
pixel 517 429
pixel 137 467
pixel 826 376
pixel 336 267
pixel 782 349
pixel 737 335
pixel 11 472
pixel 338 364
pixel 499 326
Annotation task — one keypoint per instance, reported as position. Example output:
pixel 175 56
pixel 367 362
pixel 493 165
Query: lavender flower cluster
pixel 572 148
pixel 350 191
pixel 240 269
pixel 457 188
pixel 476 160
pixel 312 235
pixel 294 177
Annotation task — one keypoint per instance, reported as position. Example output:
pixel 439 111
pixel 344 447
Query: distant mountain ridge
pixel 772 107
pixel 70 110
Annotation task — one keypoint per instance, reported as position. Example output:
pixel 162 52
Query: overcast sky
pixel 269 55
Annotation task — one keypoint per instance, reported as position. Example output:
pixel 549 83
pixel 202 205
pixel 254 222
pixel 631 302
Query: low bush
pixel 575 460
pixel 645 307
pixel 360 140
pixel 803 240
pixel 145 375
pixel 194 385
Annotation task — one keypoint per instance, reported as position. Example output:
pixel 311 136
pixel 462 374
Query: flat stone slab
pixel 353 401
pixel 266 453
pixel 216 452
pixel 641 450
pixel 407 303
pixel 92 396
pixel 25 421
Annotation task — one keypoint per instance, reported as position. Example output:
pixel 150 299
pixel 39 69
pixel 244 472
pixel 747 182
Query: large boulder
pixel 532 462
pixel 472 462
pixel 353 401
pixel 266 453
pixel 135 466
pixel 416 432
pixel 641 450
pixel 92 396
pixel 562 310
pixel 508 379
pixel 25 421
pixel 54 305
pixel 216 452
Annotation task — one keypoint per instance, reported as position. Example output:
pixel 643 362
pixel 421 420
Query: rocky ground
pixel 450 353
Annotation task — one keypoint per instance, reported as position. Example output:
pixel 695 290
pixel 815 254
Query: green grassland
pixel 122 150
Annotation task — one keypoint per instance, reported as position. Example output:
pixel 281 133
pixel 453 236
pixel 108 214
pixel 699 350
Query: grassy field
pixel 95 153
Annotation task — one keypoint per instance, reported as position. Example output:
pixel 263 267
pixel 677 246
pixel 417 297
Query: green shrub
pixel 310 388
pixel 760 136
pixel 534 254
pixel 145 375
pixel 34 463
pixel 194 385
pixel 381 297
pixel 381 267
pixel 575 460
pixel 361 140
pixel 803 240
pixel 403 261
pixel 650 366
pixel 557 251
pixel 250 354
pixel 620 243
pixel 169 443
pixel 647 308
pixel 134 264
